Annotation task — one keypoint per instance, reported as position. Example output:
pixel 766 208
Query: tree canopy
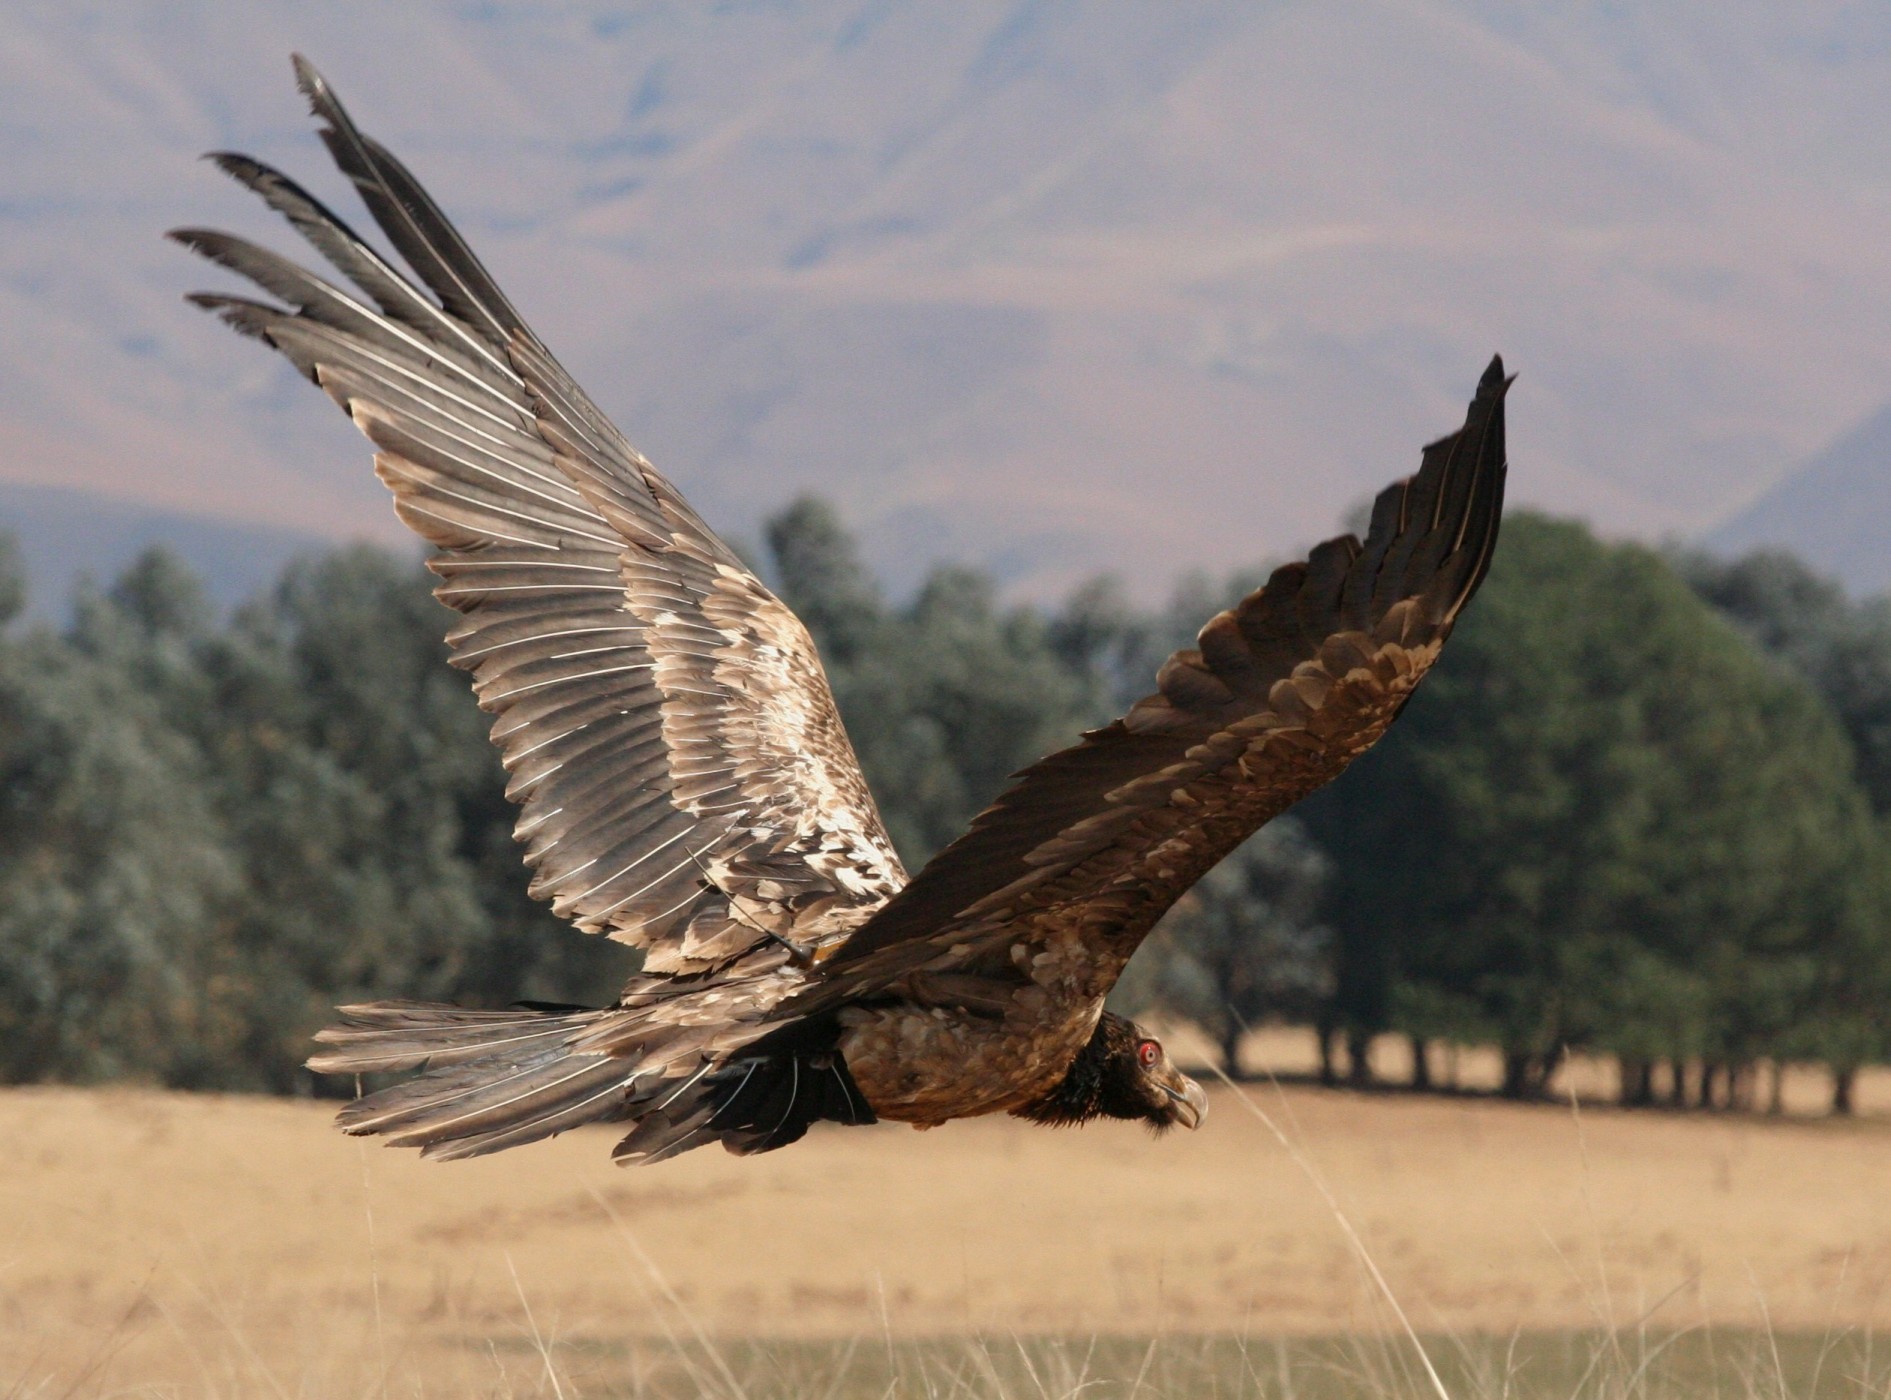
pixel 1636 809
pixel 1607 821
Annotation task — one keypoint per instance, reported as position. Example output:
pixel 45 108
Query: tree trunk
pixel 1421 1064
pixel 1638 1082
pixel 1520 1075
pixel 1358 1058
pixel 1776 1097
pixel 1677 1084
pixel 1324 1033
pixel 1231 1051
pixel 1843 1082
pixel 1740 1086
pixel 1704 1098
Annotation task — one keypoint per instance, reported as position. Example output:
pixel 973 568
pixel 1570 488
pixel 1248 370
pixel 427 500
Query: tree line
pixel 1637 810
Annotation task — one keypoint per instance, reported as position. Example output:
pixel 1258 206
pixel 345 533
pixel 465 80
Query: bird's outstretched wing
pixel 685 781
pixel 1090 845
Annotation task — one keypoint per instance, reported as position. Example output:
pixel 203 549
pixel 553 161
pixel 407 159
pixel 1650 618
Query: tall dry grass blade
pixel 114 1341
pixel 1828 1340
pixel 498 1366
pixel 1589 1205
pixel 538 1338
pixel 1649 1355
pixel 1083 1372
pixel 1024 1355
pixel 1313 1175
pixel 1707 1339
pixel 1603 1322
pixel 841 1369
pixel 214 1305
pixel 1142 1371
pixel 1871 1338
pixel 981 1360
pixel 886 1328
pixel 1510 1364
pixel 374 1264
pixel 1772 1338
pixel 670 1295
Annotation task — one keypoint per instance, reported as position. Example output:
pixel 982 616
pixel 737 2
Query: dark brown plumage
pixel 686 786
pixel 1123 1072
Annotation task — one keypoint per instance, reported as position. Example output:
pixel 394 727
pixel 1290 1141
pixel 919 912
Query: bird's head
pixel 1122 1073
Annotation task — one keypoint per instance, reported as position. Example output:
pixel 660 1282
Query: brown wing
pixel 1281 694
pixel 685 781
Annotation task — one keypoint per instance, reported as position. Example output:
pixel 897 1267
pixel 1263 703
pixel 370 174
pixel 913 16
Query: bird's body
pixel 932 1060
pixel 687 787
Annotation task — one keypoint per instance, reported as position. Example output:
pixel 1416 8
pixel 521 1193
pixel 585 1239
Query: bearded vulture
pixel 685 784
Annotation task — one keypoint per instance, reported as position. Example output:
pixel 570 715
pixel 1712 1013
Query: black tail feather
pixel 752 1105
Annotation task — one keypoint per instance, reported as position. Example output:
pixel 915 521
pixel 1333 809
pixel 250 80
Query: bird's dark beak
pixel 1190 1104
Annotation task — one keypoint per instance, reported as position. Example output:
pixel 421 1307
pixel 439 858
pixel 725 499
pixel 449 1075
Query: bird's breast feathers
pixel 926 1064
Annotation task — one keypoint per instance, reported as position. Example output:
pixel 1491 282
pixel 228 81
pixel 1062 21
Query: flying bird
pixel 686 785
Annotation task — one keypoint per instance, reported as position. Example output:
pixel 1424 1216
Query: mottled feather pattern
pixel 583 580
pixel 1277 697
pixel 685 783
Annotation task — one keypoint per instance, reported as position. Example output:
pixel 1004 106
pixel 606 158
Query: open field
pixel 239 1246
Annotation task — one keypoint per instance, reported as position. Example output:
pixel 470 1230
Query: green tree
pixel 823 579
pixel 368 813
pixel 115 882
pixel 12 579
pixel 1244 947
pixel 1606 820
pixel 1842 648
pixel 213 833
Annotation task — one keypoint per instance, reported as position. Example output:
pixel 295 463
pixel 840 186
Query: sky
pixel 1054 288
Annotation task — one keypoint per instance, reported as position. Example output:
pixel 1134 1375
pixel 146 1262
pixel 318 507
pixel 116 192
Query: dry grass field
pixel 172 1244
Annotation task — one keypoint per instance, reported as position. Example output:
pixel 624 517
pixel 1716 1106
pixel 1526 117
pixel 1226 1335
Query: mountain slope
pixel 1834 512
pixel 68 536
pixel 1055 287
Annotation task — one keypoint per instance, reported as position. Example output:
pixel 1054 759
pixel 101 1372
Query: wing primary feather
pixel 408 216
pixel 642 856
pixel 1097 841
pixel 244 316
pixel 594 438
pixel 386 429
pixel 678 1091
pixel 324 343
pixel 644 888
pixel 316 297
pixel 463 658
pixel 1356 598
pixel 351 255
pixel 635 668
pixel 483 1108
pixel 500 589
pixel 424 411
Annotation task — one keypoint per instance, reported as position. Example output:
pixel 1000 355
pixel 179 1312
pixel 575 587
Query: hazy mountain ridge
pixel 1834 512
pixel 1056 288
pixel 69 539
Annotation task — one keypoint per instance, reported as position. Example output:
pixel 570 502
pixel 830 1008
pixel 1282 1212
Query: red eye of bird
pixel 1148 1053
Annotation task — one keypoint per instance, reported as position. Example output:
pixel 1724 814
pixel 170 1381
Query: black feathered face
pixel 1122 1073
pixel 1140 1082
